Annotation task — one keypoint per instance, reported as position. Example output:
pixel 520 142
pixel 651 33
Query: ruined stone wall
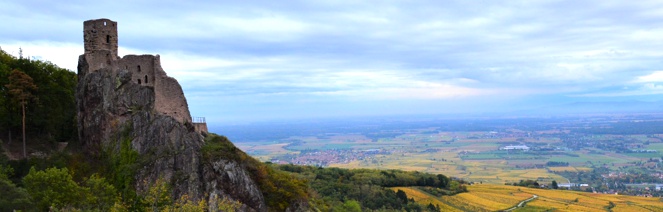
pixel 169 97
pixel 141 68
pixel 201 128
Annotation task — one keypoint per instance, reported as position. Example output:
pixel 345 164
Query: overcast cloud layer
pixel 260 60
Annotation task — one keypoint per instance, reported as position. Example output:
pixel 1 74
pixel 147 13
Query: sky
pixel 247 61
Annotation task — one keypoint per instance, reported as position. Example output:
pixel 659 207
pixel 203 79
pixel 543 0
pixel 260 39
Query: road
pixel 522 203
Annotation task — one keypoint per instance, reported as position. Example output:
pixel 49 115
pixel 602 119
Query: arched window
pixel 138 68
pixel 145 79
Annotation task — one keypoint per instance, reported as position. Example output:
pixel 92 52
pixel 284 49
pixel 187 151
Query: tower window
pixel 145 79
pixel 104 23
pixel 139 81
pixel 107 38
pixel 138 68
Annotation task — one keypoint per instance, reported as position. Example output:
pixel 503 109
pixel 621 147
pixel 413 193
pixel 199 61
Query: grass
pixel 656 146
pixel 645 155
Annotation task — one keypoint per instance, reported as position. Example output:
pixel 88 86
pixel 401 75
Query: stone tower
pixel 100 34
pixel 100 40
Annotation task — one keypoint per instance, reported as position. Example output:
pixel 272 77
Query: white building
pixel 515 147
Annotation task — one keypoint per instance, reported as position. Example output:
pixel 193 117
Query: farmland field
pixel 486 197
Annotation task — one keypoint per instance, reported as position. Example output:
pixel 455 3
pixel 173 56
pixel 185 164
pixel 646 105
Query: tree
pixel 554 185
pixel 20 89
pixel 100 195
pixel 6 111
pixel 402 196
pixel 11 196
pixel 431 207
pixel 349 206
pixel 53 187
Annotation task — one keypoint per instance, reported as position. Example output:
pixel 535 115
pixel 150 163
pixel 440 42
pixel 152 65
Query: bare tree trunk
pixel 10 135
pixel 24 152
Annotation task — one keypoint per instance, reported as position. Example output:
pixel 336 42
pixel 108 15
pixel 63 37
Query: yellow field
pixel 561 169
pixel 479 199
pixel 272 149
pixel 448 163
pixel 486 197
pixel 583 169
pixel 425 198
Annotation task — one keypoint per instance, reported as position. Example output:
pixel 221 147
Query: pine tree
pixel 20 88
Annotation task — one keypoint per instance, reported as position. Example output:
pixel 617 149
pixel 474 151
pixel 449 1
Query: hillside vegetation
pixel 371 189
pixel 50 116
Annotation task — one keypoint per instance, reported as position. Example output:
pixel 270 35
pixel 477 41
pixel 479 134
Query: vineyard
pixel 485 197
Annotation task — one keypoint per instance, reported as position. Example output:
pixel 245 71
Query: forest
pixel 50 107
pixel 371 188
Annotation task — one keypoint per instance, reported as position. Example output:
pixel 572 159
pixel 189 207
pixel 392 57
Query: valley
pixel 600 153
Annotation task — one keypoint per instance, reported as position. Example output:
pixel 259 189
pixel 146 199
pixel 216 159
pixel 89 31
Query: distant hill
pixel 595 108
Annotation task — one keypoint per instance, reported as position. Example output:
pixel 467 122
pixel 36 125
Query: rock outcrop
pixel 113 107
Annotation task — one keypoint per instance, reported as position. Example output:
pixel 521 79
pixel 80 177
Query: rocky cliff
pixel 113 108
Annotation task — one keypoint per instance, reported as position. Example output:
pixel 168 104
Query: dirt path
pixel 5 150
pixel 522 203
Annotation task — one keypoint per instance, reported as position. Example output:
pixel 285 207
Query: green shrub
pixel 53 187
pixel 100 195
pixel 219 147
pixel 12 197
pixel 120 166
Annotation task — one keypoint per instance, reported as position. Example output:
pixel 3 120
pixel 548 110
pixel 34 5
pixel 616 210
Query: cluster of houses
pixel 332 156
pixel 569 185
pixel 515 147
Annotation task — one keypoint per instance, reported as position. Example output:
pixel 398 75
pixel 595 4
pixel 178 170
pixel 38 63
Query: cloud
pixel 656 76
pixel 64 55
pixel 368 52
pixel 649 84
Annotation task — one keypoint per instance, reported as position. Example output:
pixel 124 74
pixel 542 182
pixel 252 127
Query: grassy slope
pixel 500 197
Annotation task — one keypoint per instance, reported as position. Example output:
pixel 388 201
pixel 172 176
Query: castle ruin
pixel 101 45
pixel 130 102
